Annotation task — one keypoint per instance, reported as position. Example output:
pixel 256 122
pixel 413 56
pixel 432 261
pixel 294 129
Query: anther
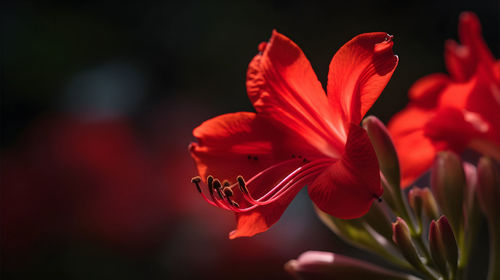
pixel 210 181
pixel 196 180
pixel 228 192
pixel 241 183
pixel 217 187
pixel 217 184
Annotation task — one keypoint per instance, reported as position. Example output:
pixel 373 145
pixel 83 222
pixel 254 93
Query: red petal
pixel 448 129
pixel 263 217
pixel 425 91
pixel 469 31
pixel 282 84
pixel 462 60
pixel 456 94
pixel 415 151
pixel 459 60
pixel 358 73
pixel 484 101
pixel 241 144
pixel 347 188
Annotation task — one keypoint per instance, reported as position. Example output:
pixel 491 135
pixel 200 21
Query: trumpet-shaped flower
pixel 451 112
pixel 254 164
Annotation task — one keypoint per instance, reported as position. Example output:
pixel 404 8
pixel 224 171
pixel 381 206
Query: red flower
pixel 452 112
pixel 298 136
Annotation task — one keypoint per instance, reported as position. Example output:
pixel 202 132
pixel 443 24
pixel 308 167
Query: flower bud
pixel 416 202
pixel 431 209
pixel 435 246
pixel 443 246
pixel 325 265
pixel 357 233
pixel 448 185
pixel 449 243
pixel 384 148
pixel 401 236
pixel 488 188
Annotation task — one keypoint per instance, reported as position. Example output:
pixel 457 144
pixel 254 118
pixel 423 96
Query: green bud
pixel 416 202
pixel 326 265
pixel 448 185
pixel 449 243
pixel 358 233
pixel 443 246
pixel 401 236
pixel 384 148
pixel 435 246
pixel 431 209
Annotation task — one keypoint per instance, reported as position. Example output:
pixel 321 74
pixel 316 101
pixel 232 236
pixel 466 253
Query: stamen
pixel 210 181
pixel 196 180
pixel 285 185
pixel 290 176
pixel 297 183
pixel 296 178
pixel 228 192
pixel 217 187
pixel 241 183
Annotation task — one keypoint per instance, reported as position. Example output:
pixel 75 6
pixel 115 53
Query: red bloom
pixel 298 136
pixel 451 112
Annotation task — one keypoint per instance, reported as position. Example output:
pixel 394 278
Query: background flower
pixel 452 112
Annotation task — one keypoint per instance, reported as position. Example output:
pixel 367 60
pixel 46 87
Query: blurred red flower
pixel 73 178
pixel 298 136
pixel 456 111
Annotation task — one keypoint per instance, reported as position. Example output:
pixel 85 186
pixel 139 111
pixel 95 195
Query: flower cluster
pixel 253 164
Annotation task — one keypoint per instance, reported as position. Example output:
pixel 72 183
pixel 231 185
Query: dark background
pixel 122 84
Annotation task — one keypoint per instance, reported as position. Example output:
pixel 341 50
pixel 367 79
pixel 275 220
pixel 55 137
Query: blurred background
pixel 98 101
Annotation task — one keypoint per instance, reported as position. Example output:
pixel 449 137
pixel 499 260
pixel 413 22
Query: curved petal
pixel 462 60
pixel 456 94
pixel 263 217
pixel 281 84
pixel 459 60
pixel 242 144
pixel 484 101
pixel 426 90
pixel 415 151
pixel 359 71
pixel 452 129
pixel 347 188
pixel 469 31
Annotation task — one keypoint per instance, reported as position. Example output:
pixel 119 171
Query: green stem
pixel 402 208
